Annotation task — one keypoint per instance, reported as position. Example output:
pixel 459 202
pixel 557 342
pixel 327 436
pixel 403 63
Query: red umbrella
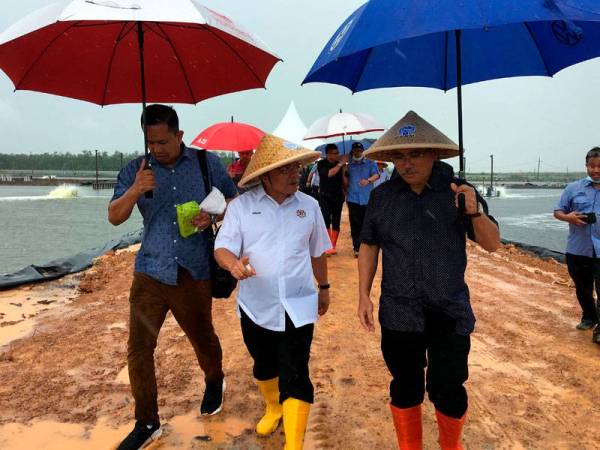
pixel 99 51
pixel 231 136
pixel 124 51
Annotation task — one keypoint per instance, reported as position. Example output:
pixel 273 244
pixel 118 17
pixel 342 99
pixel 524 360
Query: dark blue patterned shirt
pixel 163 249
pixel 422 239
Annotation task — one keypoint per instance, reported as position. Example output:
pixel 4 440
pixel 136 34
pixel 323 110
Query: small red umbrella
pixel 231 136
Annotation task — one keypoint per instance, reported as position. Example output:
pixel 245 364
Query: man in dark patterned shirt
pixel 425 313
pixel 172 273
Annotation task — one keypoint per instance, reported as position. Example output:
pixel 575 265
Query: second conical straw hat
pixel 273 152
pixel 412 131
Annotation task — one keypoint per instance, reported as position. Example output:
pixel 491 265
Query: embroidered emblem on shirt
pixel 256 212
pixel 301 213
pixel 407 131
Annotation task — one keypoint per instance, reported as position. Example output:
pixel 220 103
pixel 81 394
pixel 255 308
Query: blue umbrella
pixel 345 146
pixel 446 43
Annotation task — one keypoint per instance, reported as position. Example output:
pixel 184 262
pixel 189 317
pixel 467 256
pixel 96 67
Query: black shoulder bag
pixel 222 282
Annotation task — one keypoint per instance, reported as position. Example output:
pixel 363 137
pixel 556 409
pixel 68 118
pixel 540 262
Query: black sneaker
pixel 586 324
pixel 212 403
pixel 141 436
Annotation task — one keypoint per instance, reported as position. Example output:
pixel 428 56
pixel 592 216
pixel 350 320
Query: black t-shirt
pixel 333 187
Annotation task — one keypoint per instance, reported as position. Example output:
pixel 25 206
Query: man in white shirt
pixel 384 175
pixel 273 239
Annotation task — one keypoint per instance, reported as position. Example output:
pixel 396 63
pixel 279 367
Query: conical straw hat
pixel 412 131
pixel 273 152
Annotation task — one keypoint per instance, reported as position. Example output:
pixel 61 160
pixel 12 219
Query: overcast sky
pixel 518 120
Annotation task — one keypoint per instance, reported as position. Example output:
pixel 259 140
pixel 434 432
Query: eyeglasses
pixel 413 155
pixel 290 168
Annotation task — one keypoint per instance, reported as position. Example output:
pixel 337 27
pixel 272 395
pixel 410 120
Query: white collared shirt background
pixel 279 241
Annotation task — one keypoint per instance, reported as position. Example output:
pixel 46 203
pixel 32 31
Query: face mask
pixel 360 158
pixel 592 180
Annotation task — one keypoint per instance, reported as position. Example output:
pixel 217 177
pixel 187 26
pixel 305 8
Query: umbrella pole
pixel 140 33
pixel 461 151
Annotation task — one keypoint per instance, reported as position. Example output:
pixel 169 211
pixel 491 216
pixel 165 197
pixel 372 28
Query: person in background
pixel 236 169
pixel 171 273
pixel 579 206
pixel 424 309
pixel 384 174
pixel 361 174
pixel 312 183
pixel 273 240
pixel 331 191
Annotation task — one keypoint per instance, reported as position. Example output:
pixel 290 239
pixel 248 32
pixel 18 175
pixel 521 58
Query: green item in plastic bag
pixel 185 213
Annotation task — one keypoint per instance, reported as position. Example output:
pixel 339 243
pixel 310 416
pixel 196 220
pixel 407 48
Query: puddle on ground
pixel 60 436
pixel 181 432
pixel 20 306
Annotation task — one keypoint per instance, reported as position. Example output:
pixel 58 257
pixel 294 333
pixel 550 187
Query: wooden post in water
pixel 492 175
pixel 96 167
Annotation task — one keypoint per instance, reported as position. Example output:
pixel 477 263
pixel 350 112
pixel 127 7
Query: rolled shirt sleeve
pixel 564 203
pixel 368 234
pixel 230 233
pixel 319 241
pixel 126 178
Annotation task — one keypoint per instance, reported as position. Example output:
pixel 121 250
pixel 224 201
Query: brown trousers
pixel 191 304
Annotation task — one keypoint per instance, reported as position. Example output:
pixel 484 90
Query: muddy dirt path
pixel 533 377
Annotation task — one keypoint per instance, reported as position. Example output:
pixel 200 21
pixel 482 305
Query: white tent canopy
pixel 293 129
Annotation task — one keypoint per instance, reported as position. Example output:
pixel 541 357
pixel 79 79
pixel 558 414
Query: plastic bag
pixel 185 213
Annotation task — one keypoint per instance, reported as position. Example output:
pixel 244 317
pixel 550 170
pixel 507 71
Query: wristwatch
pixel 324 286
pixel 479 211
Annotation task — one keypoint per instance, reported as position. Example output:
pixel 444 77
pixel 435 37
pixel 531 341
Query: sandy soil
pixel 63 379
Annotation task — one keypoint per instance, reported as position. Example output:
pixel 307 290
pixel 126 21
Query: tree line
pixel 84 161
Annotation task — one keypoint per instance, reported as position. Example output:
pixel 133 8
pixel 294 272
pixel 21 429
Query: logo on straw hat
pixel 341 35
pixel 301 213
pixel 290 145
pixel 407 131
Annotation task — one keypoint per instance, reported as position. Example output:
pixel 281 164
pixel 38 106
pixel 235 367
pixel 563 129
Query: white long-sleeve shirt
pixel 279 241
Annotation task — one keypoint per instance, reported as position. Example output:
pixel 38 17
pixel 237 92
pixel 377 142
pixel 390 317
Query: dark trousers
pixel 585 272
pixel 191 304
pixel 356 214
pixel 282 354
pixel 331 208
pixel 445 354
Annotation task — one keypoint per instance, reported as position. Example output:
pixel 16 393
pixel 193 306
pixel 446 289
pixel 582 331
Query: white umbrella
pixel 342 124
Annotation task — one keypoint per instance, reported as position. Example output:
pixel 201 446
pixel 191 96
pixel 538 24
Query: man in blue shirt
pixel 579 205
pixel 361 175
pixel 172 273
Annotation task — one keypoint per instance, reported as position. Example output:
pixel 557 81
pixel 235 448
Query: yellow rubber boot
pixel 270 421
pixel 295 418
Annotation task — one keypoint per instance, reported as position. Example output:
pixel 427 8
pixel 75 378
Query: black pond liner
pixel 61 267
pixel 81 261
pixel 540 252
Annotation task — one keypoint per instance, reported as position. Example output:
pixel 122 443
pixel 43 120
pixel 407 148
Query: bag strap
pixel 204 170
pixel 202 160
